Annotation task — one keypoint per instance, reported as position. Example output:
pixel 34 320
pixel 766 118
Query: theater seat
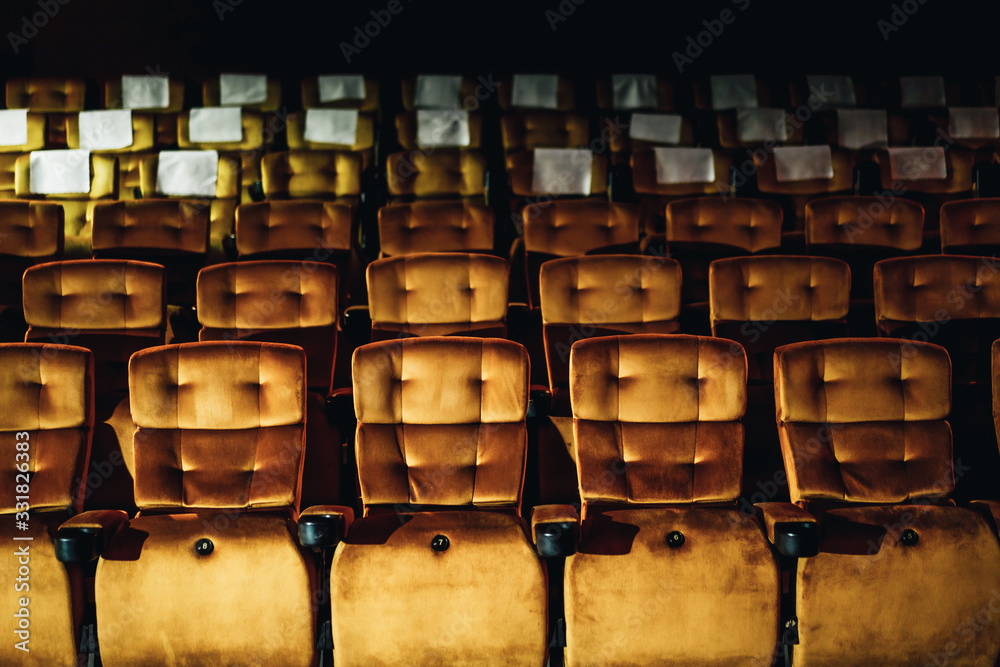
pixel 435 226
pixel 30 233
pixel 440 570
pixel 114 308
pixel 764 302
pixel 220 201
pixel 78 207
pixel 868 454
pixel 448 174
pixel 655 190
pixel 53 96
pixel 47 419
pixel 438 294
pixel 971 227
pixel 604 295
pixel 111 307
pixel 862 231
pixel 144 140
pixel 700 230
pixel 141 93
pixel 171 232
pixel 571 228
pixel 219 438
pixel 285 302
pixel 340 92
pixel 950 300
pixel 327 175
pixel 256 134
pixel 36 139
pixel 667 569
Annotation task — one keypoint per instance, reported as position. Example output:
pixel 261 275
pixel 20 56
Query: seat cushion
pixel 632 600
pixel 918 601
pixel 397 601
pixel 248 602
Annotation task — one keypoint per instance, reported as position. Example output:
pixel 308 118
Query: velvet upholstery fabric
pixel 601 295
pixel 857 221
pixel 575 227
pixel 438 173
pixel 304 226
pixel 971 226
pixel 937 288
pixel 644 465
pixel 311 174
pixel 46 392
pixel 959 164
pixel 111 307
pixel 527 130
pixel 927 602
pixel 435 226
pixel 632 600
pixel 143 133
pixel 280 301
pixel 750 224
pixel 414 292
pixel 836 398
pixel 441 452
pixel 46 94
pixel 189 400
pixel 220 432
pixel 30 233
pixel 364 142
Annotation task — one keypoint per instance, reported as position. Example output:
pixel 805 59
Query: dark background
pixel 187 38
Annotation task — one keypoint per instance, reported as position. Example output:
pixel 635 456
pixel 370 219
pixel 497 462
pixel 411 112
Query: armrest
pixel 555 529
pixel 989 509
pixel 793 531
pixel 323 526
pixel 357 324
pixel 539 401
pixel 85 537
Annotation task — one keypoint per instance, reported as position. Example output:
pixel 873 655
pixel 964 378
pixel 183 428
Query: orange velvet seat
pixel 30 233
pixel 114 308
pixel 970 227
pixel 218 463
pixel 950 300
pixel 258 131
pixel 868 454
pixel 220 206
pixel 435 226
pixel 436 174
pixel 327 175
pixel 363 144
pixel 171 232
pixel 46 422
pixel 78 209
pixel 53 96
pixel 861 231
pixel 571 228
pixel 604 295
pixel 165 116
pixel 700 230
pixel 144 140
pixel 441 448
pixel 668 570
pixel 764 302
pixel 438 294
pixel 528 130
pixel 797 193
pixel 654 196
pixel 288 302
pixel 111 307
